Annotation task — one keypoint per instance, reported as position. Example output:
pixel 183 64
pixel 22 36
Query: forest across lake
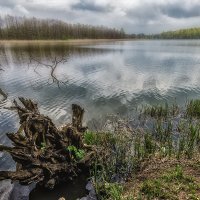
pixel 24 28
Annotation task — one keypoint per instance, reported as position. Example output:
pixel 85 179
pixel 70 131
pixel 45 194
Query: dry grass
pixel 158 179
pixel 54 42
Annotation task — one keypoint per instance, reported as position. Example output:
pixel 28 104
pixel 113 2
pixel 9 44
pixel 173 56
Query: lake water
pixel 105 78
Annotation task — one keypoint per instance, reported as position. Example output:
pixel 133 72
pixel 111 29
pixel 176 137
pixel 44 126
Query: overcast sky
pixel 135 16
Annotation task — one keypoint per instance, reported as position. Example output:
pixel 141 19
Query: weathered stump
pixel 45 154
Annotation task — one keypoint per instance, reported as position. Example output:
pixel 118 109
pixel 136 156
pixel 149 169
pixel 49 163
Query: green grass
pixel 169 186
pixel 160 111
pixel 170 134
pixel 193 108
pixel 78 154
pixel 90 138
pixel 113 191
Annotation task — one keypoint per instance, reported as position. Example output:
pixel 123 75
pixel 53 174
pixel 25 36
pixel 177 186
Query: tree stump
pixel 43 153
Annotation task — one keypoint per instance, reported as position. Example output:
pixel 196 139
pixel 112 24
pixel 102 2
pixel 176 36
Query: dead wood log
pixel 41 150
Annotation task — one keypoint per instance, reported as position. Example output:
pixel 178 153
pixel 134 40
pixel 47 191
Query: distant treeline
pixel 22 28
pixel 191 33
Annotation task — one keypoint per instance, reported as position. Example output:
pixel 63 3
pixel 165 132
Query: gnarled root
pixel 41 150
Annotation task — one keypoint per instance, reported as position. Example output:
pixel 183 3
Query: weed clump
pixel 193 108
pixel 170 185
pixel 160 111
pixel 165 133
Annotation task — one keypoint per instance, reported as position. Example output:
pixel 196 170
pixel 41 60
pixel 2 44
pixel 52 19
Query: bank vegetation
pixel 23 28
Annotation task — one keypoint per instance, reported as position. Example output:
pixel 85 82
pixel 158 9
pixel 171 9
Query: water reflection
pixel 122 72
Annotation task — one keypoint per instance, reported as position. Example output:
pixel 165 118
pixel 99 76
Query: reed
pixel 193 108
pixel 160 111
pixel 165 133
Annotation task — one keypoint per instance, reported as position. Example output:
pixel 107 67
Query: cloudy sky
pixel 135 16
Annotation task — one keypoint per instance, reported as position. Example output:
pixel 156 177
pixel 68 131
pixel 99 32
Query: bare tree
pixel 33 28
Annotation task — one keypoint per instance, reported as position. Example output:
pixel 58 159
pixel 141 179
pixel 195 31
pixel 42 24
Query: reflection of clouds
pixel 182 80
pixel 132 70
pixel 161 71
pixel 149 83
pixel 110 80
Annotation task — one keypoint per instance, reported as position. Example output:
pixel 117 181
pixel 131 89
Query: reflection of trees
pixel 54 64
pixel 21 54
pixel 40 56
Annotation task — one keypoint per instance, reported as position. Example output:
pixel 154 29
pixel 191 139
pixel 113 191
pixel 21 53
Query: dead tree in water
pixel 44 153
pixel 52 67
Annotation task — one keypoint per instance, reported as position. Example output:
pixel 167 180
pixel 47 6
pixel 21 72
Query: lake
pixel 104 78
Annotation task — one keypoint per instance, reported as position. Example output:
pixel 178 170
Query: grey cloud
pixel 148 16
pixel 181 11
pixel 90 5
pixel 157 17
pixel 148 12
pixel 8 3
pixel 144 13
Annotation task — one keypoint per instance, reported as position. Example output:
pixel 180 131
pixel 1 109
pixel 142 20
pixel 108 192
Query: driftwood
pixel 41 150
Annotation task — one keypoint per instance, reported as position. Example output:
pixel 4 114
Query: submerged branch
pixel 52 67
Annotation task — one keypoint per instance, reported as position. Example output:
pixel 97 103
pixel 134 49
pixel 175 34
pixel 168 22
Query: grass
pixel 90 138
pixel 193 108
pixel 78 154
pixel 170 185
pixel 160 111
pixel 167 133
pixel 53 42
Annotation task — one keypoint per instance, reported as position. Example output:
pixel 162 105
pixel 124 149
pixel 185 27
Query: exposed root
pixel 42 151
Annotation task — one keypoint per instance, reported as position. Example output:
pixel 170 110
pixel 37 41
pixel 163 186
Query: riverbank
pixel 154 156
pixel 165 178
pixel 53 42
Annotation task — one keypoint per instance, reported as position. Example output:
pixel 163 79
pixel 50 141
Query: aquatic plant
pixel 160 111
pixel 191 140
pixel 193 108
